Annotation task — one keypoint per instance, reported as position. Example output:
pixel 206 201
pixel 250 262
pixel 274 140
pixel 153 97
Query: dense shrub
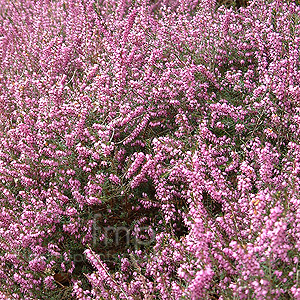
pixel 179 118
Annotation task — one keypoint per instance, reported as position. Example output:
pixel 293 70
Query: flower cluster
pixel 180 117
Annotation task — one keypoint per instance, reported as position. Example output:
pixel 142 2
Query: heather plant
pixel 149 150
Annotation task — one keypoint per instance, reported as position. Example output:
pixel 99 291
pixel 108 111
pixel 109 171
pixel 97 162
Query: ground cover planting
pixel 149 149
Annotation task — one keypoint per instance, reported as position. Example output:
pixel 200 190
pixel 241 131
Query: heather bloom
pixel 169 126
